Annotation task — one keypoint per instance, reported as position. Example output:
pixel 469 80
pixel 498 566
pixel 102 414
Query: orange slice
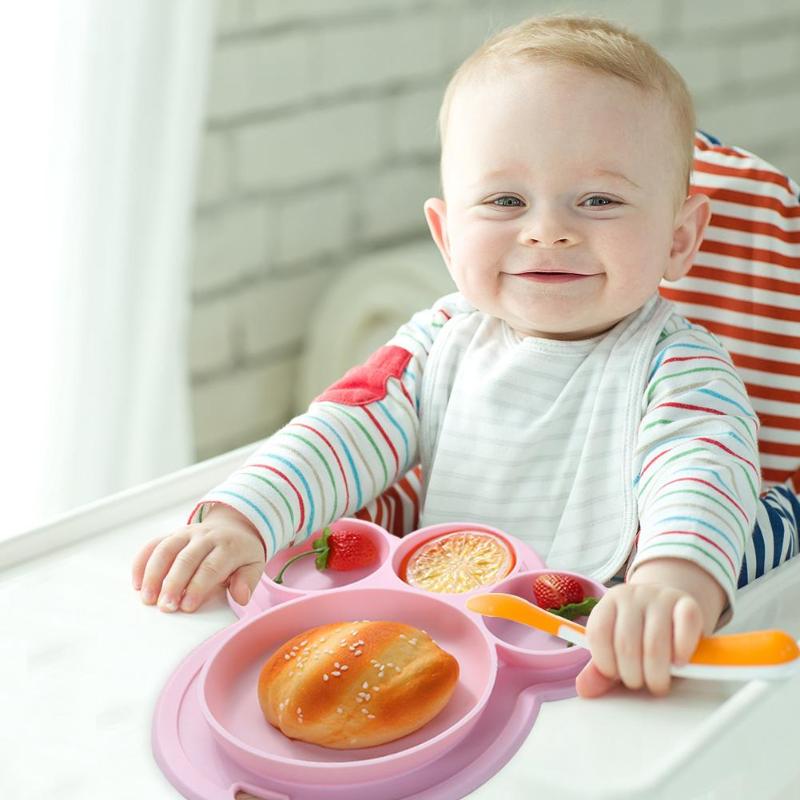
pixel 459 562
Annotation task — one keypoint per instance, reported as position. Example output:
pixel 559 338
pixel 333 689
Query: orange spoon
pixel 735 656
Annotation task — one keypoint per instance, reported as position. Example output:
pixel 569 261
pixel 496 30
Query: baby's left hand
pixel 636 632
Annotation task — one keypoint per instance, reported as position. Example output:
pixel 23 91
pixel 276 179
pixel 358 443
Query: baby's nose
pixel 562 240
pixel 546 239
pixel 547 228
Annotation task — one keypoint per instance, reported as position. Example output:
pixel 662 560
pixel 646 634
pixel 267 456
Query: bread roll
pixel 356 684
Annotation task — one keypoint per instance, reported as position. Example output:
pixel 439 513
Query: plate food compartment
pixel 524 646
pixel 302 576
pixel 229 679
pixel 466 558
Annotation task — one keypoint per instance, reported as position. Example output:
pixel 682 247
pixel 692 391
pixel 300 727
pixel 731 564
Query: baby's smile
pixel 552 277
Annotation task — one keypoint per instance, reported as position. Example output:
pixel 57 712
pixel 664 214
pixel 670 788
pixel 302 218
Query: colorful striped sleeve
pixel 698 475
pixel 356 439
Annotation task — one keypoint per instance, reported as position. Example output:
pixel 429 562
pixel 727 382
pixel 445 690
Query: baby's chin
pixel 544 323
pixel 557 329
pixel 556 324
pixel 561 335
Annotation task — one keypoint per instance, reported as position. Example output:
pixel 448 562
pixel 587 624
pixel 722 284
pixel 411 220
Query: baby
pixel 556 396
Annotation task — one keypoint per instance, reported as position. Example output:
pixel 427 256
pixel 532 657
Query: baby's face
pixel 559 209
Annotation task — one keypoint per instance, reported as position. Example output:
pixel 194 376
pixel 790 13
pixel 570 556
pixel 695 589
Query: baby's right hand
pixel 181 570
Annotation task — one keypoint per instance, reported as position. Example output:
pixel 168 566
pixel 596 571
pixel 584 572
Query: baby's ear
pixel 690 226
pixel 436 215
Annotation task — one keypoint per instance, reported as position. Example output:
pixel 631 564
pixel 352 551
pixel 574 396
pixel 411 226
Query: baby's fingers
pixel 657 644
pixel 170 568
pixel 140 561
pixel 687 621
pixel 628 631
pixel 243 582
pixel 600 632
pixel 214 570
pixel 592 683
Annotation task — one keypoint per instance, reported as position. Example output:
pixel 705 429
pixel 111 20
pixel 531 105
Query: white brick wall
pixel 709 68
pixel 313 145
pixel 389 201
pixel 313 223
pixel 768 58
pixel 411 122
pixel 242 403
pixel 320 146
pixel 373 54
pixel 230 242
pixel 260 74
pixel 211 345
pixel 214 170
pixel 742 18
pixel 271 316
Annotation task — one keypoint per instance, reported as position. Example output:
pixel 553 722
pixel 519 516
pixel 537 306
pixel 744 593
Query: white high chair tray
pixel 82 663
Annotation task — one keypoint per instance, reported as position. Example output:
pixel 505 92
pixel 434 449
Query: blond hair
pixel 595 44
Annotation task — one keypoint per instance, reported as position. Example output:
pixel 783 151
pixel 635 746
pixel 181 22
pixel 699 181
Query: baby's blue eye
pixel 603 201
pixel 507 200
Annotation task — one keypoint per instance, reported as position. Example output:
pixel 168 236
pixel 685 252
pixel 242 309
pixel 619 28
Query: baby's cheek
pixel 466 271
pixel 480 288
pixel 479 243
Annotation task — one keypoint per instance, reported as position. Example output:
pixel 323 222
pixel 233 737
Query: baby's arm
pixel 323 465
pixel 355 440
pixel 698 488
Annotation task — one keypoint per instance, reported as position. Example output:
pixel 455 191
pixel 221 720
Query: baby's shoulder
pixel 691 369
pixel 450 307
pixel 682 340
pixel 418 334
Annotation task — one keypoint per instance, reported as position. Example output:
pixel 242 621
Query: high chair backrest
pixel 745 288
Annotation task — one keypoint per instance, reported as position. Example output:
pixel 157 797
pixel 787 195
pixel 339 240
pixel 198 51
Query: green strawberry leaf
pixel 319 548
pixel 321 543
pixel 572 611
pixel 322 549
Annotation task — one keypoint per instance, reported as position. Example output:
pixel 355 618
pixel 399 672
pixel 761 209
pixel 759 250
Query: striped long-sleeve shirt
pixel 638 441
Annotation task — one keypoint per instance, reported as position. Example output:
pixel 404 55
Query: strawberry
pixel 553 590
pixel 341 550
pixel 563 595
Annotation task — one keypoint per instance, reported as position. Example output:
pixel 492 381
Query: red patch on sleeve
pixel 367 383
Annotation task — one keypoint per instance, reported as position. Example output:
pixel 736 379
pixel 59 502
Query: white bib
pixel 536 436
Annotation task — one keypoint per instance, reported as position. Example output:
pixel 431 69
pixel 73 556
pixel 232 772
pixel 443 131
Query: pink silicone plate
pixel 500 663
pixel 231 674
